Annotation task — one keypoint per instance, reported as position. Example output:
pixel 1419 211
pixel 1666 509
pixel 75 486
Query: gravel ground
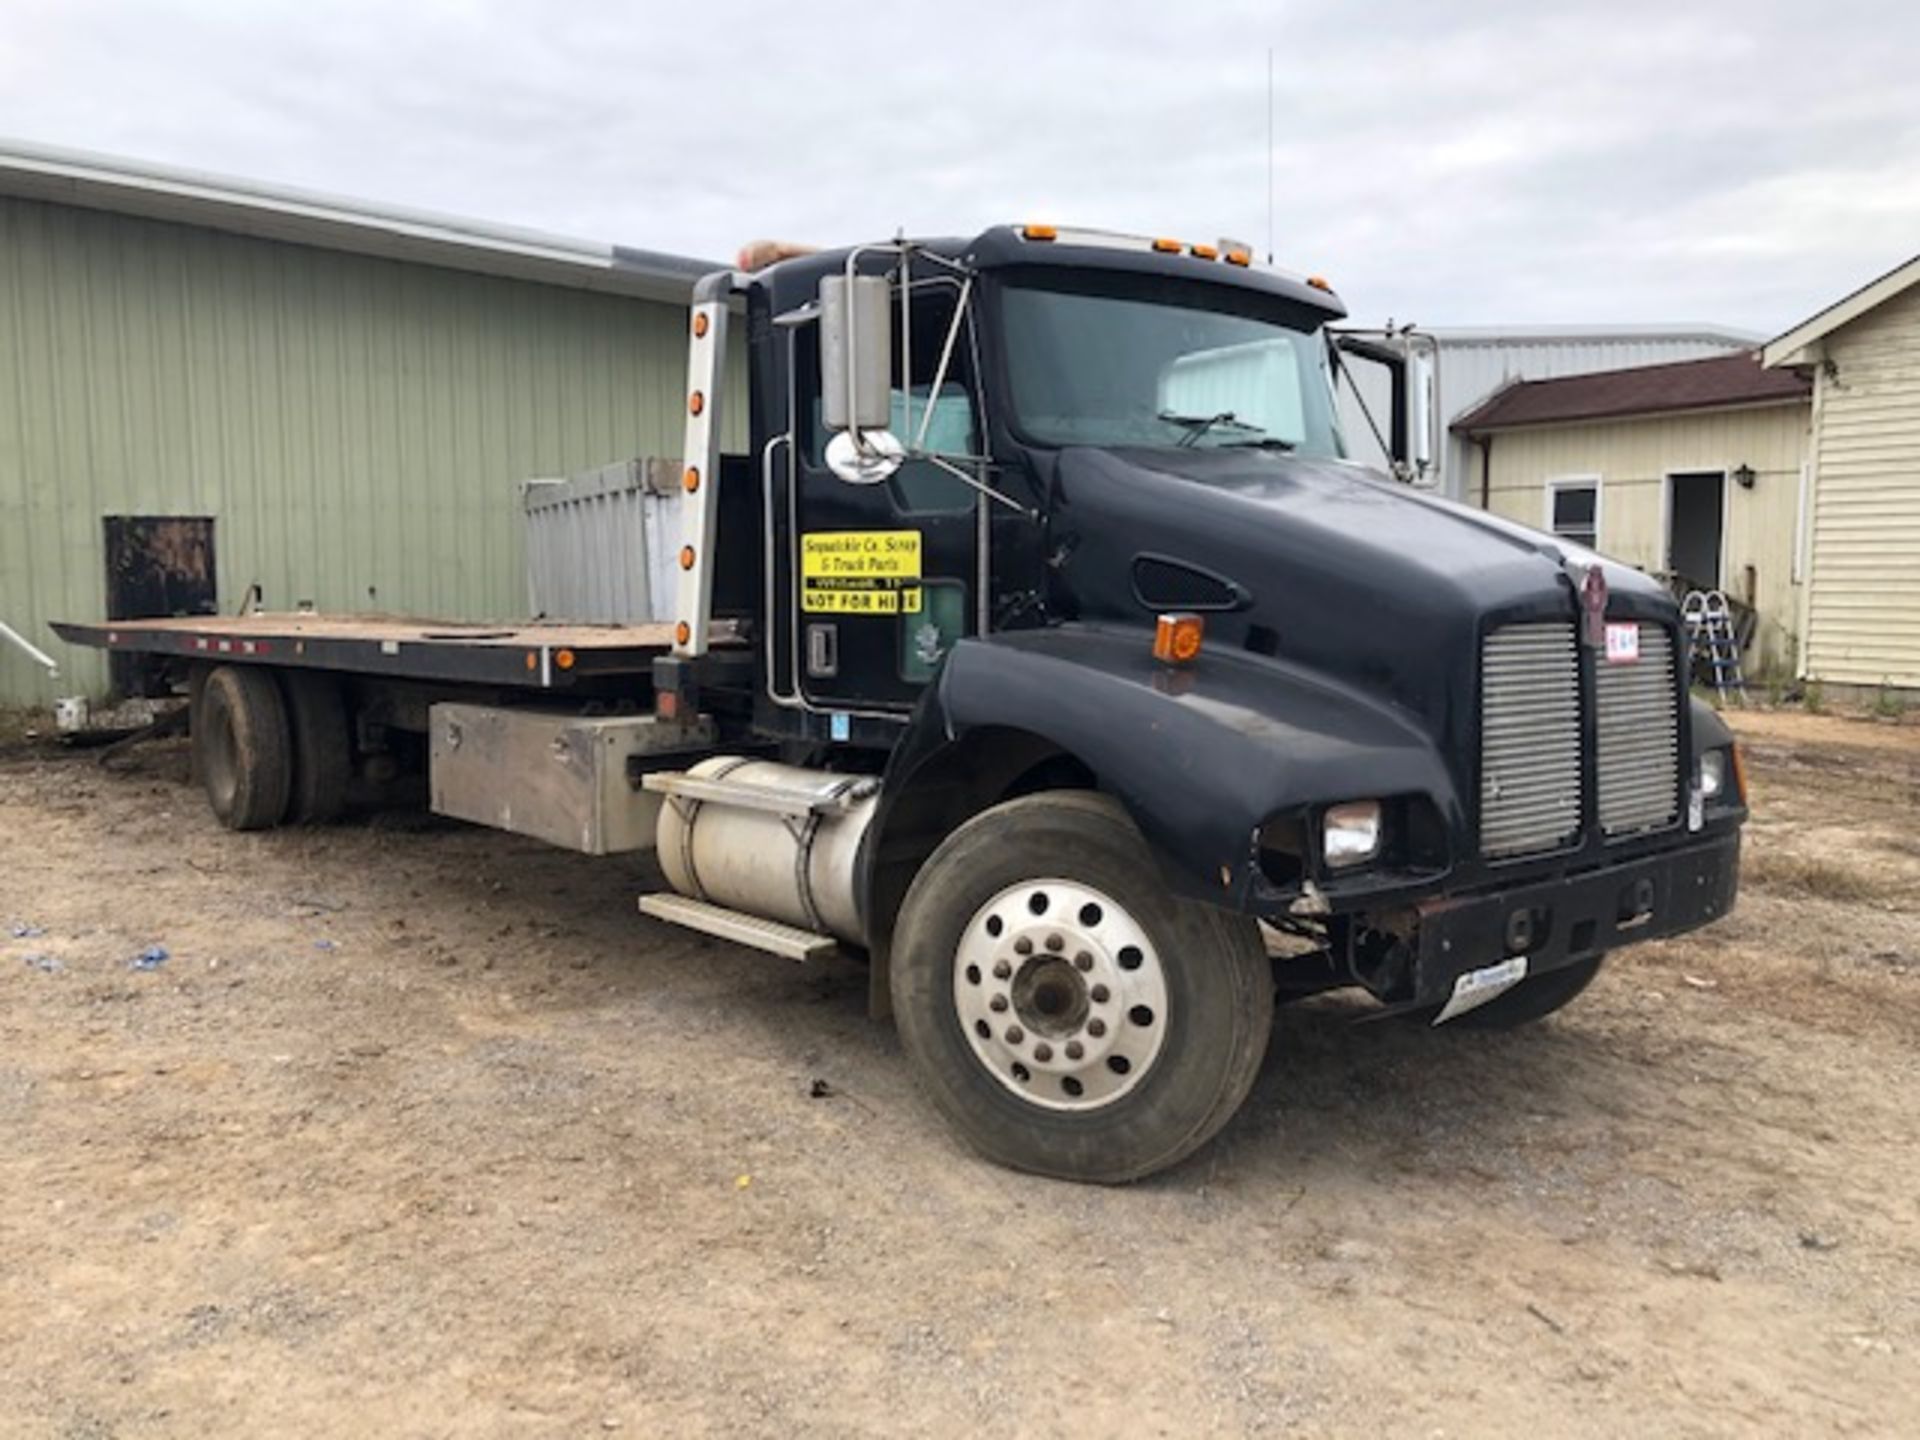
pixel 420 1130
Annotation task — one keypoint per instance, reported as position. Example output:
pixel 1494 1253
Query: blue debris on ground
pixel 45 964
pixel 151 958
pixel 325 945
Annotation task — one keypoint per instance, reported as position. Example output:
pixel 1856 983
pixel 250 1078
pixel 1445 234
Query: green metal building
pixel 209 386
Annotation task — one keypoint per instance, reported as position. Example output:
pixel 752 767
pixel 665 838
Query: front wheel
pixel 1066 1013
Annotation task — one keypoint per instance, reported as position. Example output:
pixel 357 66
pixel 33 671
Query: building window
pixel 1573 509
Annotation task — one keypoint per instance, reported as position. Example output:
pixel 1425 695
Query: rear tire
pixel 1534 998
pixel 322 747
pixel 1049 1057
pixel 241 748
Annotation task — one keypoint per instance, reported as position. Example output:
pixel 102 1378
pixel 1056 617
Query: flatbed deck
pixel 540 655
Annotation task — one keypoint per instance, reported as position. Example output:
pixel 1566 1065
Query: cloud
pixel 1472 164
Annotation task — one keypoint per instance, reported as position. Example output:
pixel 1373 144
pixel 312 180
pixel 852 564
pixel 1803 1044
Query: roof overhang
pixel 1619 417
pixel 304 217
pixel 1802 344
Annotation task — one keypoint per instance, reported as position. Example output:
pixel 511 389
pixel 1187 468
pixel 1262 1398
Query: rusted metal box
pixel 571 780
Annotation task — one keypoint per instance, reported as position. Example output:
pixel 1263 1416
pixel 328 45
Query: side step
pixel 772 936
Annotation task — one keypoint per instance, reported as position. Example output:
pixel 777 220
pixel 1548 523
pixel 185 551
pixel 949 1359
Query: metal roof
pixel 306 217
pixel 1719 382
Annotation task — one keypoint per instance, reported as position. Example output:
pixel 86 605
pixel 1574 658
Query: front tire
pixel 1066 1013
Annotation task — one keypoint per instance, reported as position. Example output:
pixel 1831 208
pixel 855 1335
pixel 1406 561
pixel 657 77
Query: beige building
pixel 1694 472
pixel 1861 607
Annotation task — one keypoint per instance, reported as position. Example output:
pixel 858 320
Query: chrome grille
pixel 1637 763
pixel 1529 738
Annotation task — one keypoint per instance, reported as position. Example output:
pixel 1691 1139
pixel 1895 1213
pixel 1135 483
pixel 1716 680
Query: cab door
pixel 887 576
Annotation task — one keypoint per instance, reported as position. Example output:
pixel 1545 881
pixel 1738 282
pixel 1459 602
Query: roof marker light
pixel 1041 232
pixel 1168 247
pixel 1204 251
pixel 1319 282
pixel 1239 257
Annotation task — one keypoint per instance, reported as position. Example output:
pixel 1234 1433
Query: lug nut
pixel 1015 1034
pixel 1001 969
pixel 1100 994
pixel 997 1004
pixel 1083 961
pixel 1056 942
pixel 1075 1050
pixel 1023 946
pixel 1096 1027
pixel 1043 1052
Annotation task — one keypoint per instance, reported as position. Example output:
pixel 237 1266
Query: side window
pixel 952 427
pixel 1573 510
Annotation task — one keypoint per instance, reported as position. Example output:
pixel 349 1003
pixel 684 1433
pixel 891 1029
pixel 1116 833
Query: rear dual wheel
pixel 271 748
pixel 1066 1012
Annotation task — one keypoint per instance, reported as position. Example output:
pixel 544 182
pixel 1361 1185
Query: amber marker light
pixel 696 402
pixel 1206 252
pixel 1168 247
pixel 682 633
pixel 1040 232
pixel 1239 257
pixel 564 659
pixel 1177 637
pixel 700 323
pixel 692 479
pixel 1319 282
pixel 686 557
pixel 1739 775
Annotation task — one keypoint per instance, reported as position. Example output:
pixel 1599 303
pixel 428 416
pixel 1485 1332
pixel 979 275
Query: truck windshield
pixel 1101 367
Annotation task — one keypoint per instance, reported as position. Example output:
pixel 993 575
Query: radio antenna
pixel 1269 155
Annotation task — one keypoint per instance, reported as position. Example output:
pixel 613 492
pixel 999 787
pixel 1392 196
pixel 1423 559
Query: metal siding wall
pixel 1632 456
pixel 1863 610
pixel 358 427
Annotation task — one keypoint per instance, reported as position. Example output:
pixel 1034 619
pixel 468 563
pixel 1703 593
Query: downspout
pixel 1485 442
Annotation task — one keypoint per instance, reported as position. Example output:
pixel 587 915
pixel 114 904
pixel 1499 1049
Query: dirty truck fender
pixel 1200 756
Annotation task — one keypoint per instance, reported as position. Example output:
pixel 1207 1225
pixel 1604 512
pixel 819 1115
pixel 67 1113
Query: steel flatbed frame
pixel 536 655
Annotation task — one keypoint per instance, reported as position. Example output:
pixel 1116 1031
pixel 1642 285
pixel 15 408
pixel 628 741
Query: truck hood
pixel 1385 587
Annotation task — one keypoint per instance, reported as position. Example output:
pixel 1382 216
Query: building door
pixel 157 565
pixel 1696 521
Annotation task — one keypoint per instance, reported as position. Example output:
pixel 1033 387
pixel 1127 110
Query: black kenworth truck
pixel 1047 654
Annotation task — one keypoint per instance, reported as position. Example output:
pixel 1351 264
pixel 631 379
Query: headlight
pixel 1350 833
pixel 1713 774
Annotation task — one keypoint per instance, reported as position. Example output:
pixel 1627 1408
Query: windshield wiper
pixel 1198 425
pixel 1264 442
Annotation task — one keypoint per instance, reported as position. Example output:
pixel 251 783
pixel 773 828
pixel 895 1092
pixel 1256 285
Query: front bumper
pixel 1578 915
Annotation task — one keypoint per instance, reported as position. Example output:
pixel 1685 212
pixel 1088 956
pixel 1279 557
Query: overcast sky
pixel 1742 164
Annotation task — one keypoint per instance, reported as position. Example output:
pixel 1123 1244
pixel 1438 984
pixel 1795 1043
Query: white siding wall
pixel 1632 459
pixel 1863 606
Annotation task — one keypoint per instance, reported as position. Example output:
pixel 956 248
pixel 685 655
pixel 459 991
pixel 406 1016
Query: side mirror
pixel 856 344
pixel 1422 407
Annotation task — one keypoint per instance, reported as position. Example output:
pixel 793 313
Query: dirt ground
pixel 421 1130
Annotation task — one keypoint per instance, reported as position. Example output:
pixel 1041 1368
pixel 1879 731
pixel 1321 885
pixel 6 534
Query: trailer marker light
pixel 696 402
pixel 700 323
pixel 1167 247
pixel 1319 282
pixel 1041 232
pixel 1239 257
pixel 692 480
pixel 682 633
pixel 1177 637
pixel 686 557
pixel 1204 251
pixel 564 659
pixel 533 661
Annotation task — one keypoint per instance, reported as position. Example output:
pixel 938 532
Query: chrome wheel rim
pixel 1061 993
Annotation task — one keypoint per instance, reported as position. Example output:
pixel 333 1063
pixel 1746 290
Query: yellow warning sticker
pixel 860 572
